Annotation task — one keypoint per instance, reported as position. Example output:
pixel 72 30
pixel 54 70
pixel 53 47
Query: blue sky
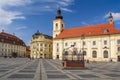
pixel 25 17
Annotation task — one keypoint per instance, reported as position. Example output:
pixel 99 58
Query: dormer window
pixel 106 30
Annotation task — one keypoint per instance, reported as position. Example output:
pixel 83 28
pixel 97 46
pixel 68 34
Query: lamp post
pixel 65 52
pixel 82 38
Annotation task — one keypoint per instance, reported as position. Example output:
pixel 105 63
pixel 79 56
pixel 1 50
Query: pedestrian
pixel 87 61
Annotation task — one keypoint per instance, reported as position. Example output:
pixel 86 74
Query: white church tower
pixel 58 24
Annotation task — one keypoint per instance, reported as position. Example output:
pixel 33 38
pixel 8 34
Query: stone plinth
pixel 73 64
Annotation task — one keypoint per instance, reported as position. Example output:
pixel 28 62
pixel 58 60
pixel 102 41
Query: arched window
pixel 105 54
pixel 84 52
pixel 62 26
pixel 56 26
pixel 74 53
pixel 55 35
pixel 94 54
pixel 118 49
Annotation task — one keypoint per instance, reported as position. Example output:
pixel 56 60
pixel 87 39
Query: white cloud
pixel 9 9
pixel 14 2
pixel 66 2
pixel 66 9
pixel 50 5
pixel 116 16
pixel 63 3
pixel 21 28
pixel 7 16
pixel 84 23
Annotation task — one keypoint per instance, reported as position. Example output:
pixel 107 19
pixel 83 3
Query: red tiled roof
pixel 11 39
pixel 94 30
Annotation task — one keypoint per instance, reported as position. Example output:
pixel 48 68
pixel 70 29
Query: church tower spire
pixel 111 19
pixel 59 16
pixel 58 24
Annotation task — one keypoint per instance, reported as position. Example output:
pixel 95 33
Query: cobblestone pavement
pixel 47 69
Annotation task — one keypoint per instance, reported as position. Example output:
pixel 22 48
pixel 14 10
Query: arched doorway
pixel 118 58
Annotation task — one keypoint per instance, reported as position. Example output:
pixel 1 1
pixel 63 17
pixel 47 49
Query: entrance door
pixel 45 56
pixel 57 56
pixel 41 56
pixel 14 54
pixel 118 58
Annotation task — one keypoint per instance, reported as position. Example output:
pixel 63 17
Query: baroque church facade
pixel 96 42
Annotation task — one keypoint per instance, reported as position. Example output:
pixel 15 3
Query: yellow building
pixel 41 46
pixel 97 42
pixel 11 46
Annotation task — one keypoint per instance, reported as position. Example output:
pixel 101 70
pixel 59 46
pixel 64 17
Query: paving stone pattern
pixel 48 69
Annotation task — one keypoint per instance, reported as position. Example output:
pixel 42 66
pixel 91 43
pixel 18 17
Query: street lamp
pixel 82 38
pixel 65 53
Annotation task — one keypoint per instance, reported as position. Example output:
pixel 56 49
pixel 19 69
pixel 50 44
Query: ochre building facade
pixel 41 46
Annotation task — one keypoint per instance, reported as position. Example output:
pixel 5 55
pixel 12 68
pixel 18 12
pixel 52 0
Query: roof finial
pixel 2 30
pixel 59 12
pixel 110 15
pixel 37 31
pixel 13 33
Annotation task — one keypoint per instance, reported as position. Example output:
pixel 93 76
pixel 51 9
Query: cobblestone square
pixel 48 69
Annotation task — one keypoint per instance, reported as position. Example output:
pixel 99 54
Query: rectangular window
pixel 105 42
pixel 41 44
pixel 74 43
pixel 66 44
pixel 57 50
pixel 37 44
pixel 45 45
pixel 94 42
pixel 84 43
pixel 41 49
pixel 57 44
pixel 118 41
pixel 118 49
pixel 49 45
